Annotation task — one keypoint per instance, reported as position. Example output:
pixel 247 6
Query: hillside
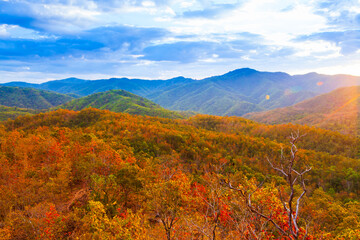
pixel 98 174
pixel 13 112
pixel 122 101
pixel 338 110
pixel 235 93
pixel 31 98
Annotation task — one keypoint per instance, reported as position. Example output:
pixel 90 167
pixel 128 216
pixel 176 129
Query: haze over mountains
pixel 338 111
pixel 235 93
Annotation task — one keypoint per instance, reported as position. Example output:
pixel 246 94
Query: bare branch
pixel 276 168
pixel 292 177
pixel 252 209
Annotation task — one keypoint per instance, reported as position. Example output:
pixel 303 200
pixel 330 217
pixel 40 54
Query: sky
pixel 42 40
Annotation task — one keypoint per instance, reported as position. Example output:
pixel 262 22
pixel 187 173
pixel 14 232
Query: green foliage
pixel 234 93
pixel 122 101
pixel 13 112
pixel 31 98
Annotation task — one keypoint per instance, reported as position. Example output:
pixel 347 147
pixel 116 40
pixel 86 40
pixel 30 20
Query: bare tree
pixel 291 204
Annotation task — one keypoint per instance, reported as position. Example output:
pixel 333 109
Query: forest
pixel 96 174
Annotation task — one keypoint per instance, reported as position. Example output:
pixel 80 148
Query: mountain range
pixel 338 111
pixel 234 94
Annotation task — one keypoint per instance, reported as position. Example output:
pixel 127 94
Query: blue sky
pixel 42 40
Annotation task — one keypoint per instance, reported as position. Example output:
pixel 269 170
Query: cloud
pixel 183 51
pixel 134 37
pixel 344 14
pixel 348 41
pixel 93 43
pixel 45 48
pixel 211 12
pixel 4 30
pixel 192 51
pixel 48 16
pixel 16 20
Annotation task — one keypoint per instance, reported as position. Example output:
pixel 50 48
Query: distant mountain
pixel 30 98
pixel 13 112
pixel 86 87
pixel 122 101
pixel 338 110
pixel 235 93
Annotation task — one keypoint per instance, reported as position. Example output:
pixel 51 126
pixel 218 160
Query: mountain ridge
pixel 242 90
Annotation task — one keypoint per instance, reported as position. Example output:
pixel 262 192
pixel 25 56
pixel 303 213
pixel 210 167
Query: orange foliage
pixel 151 178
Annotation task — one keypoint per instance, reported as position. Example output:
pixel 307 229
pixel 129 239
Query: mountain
pixel 86 87
pixel 30 98
pixel 122 101
pixel 13 112
pixel 338 110
pixel 234 94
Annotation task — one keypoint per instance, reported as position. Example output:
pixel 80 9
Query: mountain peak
pixel 177 78
pixel 312 74
pixel 243 71
pixel 68 80
pixel 180 79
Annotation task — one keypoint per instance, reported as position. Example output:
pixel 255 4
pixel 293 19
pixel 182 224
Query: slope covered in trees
pixel 30 98
pixel 95 174
pixel 337 111
pixel 319 140
pixel 235 93
pixel 123 101
pixel 13 112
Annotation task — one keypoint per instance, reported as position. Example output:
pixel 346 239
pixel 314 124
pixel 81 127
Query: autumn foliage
pixel 100 175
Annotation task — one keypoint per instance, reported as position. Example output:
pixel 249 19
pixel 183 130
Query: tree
pixel 291 205
pixel 212 216
pixel 168 198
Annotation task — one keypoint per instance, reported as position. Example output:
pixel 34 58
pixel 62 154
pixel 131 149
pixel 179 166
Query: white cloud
pixel 273 25
pixel 148 4
pixel 317 49
pixel 3 30
pixel 260 17
pixel 348 67
pixel 187 4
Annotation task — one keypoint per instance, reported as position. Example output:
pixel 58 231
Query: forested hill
pixel 235 93
pixel 13 112
pixel 97 174
pixel 31 98
pixel 338 111
pixel 123 101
